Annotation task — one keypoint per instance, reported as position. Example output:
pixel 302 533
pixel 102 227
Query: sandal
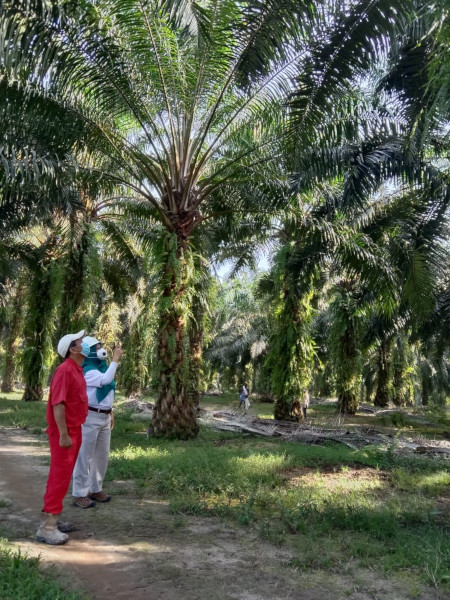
pixel 99 496
pixel 83 502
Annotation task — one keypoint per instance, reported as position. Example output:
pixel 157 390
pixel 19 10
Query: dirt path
pixel 135 548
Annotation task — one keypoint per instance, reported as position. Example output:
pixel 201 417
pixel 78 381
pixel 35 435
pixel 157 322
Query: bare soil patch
pixel 133 547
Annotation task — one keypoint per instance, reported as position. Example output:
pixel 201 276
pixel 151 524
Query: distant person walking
pixel 243 398
pixel 92 462
pixel 67 409
pixel 305 403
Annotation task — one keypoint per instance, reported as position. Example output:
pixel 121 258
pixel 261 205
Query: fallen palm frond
pixel 355 438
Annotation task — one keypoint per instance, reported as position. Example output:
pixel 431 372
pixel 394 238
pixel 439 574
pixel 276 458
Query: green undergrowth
pixel 22 579
pixel 22 415
pixel 330 504
pixel 437 424
pixel 378 508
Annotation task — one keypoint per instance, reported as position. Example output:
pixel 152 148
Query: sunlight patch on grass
pixel 261 463
pixel 344 482
pixel 432 483
pixel 17 395
pixel 136 452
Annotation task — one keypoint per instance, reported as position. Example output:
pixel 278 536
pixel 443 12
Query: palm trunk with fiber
pixel 348 377
pixel 173 415
pixel 291 356
pixel 39 323
pixel 12 344
pixel 195 352
pixel 383 393
pixel 402 391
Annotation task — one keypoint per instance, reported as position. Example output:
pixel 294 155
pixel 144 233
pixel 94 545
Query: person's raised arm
pixel 97 378
pixel 117 354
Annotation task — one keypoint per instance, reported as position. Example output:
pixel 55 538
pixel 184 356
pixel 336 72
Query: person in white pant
pixel 92 461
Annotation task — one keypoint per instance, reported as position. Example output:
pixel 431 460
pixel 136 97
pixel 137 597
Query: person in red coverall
pixel 67 409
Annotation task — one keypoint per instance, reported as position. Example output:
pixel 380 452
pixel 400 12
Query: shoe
pixel 83 502
pixel 49 533
pixel 65 526
pixel 99 496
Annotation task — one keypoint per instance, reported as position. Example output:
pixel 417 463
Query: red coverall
pixel 69 386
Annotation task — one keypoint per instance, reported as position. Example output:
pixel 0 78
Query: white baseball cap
pixel 66 340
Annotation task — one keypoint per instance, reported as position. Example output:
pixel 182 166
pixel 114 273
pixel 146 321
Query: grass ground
pixel 21 578
pixel 329 504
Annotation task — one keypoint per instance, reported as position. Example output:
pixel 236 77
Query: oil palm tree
pixel 188 100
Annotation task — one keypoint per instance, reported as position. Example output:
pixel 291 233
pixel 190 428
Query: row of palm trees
pixel 351 311
pixel 146 140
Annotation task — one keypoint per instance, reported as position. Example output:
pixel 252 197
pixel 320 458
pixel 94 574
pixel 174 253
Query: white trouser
pixel 92 460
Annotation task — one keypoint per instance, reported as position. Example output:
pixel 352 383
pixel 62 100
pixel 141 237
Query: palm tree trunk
pixel 173 415
pixel 425 379
pixel 348 403
pixel 12 344
pixel 348 375
pixel 285 410
pixel 134 365
pixel 383 393
pixel 33 392
pixel 290 357
pixel 132 386
pixel 345 354
pixel 401 393
pixel 399 397
pixel 38 326
pixel 281 409
pixel 425 393
pixel 195 364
